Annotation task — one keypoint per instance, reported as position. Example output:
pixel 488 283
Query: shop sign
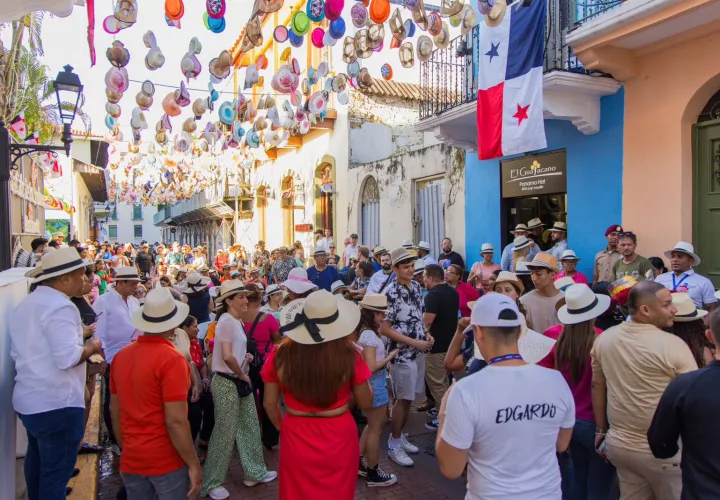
pixel 303 228
pixel 534 175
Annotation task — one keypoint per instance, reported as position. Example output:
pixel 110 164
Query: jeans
pixel 171 486
pixel 592 477
pixel 201 415
pixel 106 405
pixel 53 442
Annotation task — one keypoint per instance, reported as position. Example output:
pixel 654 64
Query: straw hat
pixel 298 282
pixel 376 35
pixel 519 227
pixel 337 286
pixel 543 261
pixel 450 7
pixel 468 19
pixel 508 277
pixel 559 227
pixel 686 309
pixel 563 283
pixel 424 245
pixel 420 16
pixel 362 44
pixel 535 223
pixel 349 54
pixel 379 249
pixel 686 248
pixel 400 255
pixel 229 288
pixel 220 66
pixel 160 312
pixel 487 248
pixel 126 274
pixel 374 302
pixel 419 267
pixel 424 48
pixel 581 304
pixel 193 283
pixel 407 56
pixel 319 318
pixel 569 255
pixel 496 14
pixel 442 39
pixel 397 27
pixel 521 242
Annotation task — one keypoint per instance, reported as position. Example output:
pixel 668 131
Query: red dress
pixel 318 456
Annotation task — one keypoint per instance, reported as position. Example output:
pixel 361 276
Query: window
pixel 137 212
pixel 113 213
pixel 138 230
pixel 112 231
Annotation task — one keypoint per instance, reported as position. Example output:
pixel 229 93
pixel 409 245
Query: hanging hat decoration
pixel 353 68
pixel 295 40
pixel 442 39
pixel 317 38
pixel 434 24
pixel 364 79
pixel 337 28
pixel 315 10
pixel 113 109
pixel 251 76
pixel 182 96
pixel 215 8
pixel 420 16
pixel 253 32
pixel 138 121
pixel 117 80
pixel 397 27
pixel 216 25
pixel 189 125
pixel 199 108
pixel 359 15
pixel 424 48
pixel 144 98
pixel 261 62
pixel 190 64
pixel 379 11
pixel 173 23
pixel 339 83
pixel 170 105
pixel 154 58
pixel 280 34
pixel 174 9
pixel 485 6
pixel 333 9
pixel 219 67
pixel 376 36
pixel 409 26
pixel 407 56
pixel 468 19
pixel 269 6
pixel 362 45
pixel 496 14
pixel 300 23
pixel 450 7
pixel 118 55
pixel 328 40
pixel 386 71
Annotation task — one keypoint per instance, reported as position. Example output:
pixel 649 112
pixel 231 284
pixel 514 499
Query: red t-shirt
pixel 582 389
pixel 467 294
pixel 263 332
pixel 196 354
pixel 362 374
pixel 144 376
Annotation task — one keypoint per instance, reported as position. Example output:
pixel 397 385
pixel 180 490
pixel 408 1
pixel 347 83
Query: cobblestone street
pixel 423 481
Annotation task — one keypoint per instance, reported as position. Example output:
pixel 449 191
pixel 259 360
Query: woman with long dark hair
pixel 688 324
pixel 264 329
pixel 592 477
pixel 373 309
pixel 319 445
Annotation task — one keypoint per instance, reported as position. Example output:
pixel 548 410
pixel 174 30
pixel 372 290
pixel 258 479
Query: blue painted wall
pixel 594 186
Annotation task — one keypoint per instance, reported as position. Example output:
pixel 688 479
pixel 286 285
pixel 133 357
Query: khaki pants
pixel 436 376
pixel 644 477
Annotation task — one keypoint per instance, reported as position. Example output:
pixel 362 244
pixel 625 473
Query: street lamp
pixel 68 91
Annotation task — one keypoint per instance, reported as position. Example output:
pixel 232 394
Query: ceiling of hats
pixel 284 81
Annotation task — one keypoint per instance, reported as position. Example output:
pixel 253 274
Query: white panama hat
pixel 337 286
pixel 487 248
pixel 686 309
pixel 424 245
pixel 319 318
pixel 126 274
pixel 686 248
pixel 61 261
pixel 581 304
pixel 229 288
pixel 160 312
pixel 298 282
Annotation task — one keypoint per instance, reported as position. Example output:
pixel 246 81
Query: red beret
pixel 613 229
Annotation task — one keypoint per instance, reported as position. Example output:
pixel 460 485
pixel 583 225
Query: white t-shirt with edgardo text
pixel 508 417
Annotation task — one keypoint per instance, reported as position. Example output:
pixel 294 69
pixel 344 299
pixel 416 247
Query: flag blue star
pixel 493 51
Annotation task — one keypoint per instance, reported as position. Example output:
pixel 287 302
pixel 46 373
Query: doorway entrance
pixel 549 208
pixel 706 198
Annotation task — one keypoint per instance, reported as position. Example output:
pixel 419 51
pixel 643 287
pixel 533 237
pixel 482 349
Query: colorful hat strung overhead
pixel 154 58
pixel 333 9
pixel 219 67
pixel 118 55
pixel 174 9
pixel 386 71
pixel 379 11
pixel 315 10
pixel 190 64
pixel 407 56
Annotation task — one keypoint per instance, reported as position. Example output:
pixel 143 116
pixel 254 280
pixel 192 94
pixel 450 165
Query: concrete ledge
pixel 85 484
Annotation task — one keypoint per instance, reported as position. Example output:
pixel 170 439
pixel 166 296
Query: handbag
pixel 244 389
pixel 257 363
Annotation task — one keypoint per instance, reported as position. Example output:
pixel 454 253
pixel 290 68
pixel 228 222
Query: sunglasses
pixel 628 233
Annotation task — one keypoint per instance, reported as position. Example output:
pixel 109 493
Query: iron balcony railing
pixel 162 214
pixel 449 78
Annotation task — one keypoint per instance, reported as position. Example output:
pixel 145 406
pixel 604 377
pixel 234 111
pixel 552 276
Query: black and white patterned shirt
pixel 282 268
pixel 405 314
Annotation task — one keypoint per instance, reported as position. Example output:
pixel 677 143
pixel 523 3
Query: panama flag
pixel 510 83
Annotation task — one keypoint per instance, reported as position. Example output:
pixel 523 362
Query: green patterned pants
pixel 236 421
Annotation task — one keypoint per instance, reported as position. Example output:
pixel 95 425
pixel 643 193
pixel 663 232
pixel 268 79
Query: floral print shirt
pixel 405 313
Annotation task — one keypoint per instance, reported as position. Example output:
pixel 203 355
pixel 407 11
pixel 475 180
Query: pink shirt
pixel 581 390
pixel 263 332
pixel 577 277
pixel 467 294
pixel 480 272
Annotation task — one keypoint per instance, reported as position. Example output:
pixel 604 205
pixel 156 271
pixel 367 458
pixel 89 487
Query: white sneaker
pixel 116 449
pixel 408 446
pixel 270 476
pixel 399 456
pixel 219 493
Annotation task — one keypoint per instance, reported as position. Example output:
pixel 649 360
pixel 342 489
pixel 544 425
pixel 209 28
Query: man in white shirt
pixel 351 249
pixel 423 253
pixel 46 344
pixel 380 280
pixel 683 278
pixel 325 241
pixel 114 310
pixel 508 421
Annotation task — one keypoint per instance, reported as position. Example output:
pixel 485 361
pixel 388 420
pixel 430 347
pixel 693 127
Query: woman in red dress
pixel 316 368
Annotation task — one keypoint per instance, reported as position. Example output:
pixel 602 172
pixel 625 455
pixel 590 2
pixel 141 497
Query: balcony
pixel 613 39
pixel 201 206
pixel 571 91
pixel 162 216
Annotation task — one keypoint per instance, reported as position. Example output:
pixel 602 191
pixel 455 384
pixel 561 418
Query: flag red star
pixel 521 113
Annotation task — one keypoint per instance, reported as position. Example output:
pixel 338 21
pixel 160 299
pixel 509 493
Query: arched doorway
pixel 370 215
pixel 287 202
pixel 324 193
pixel 706 189
pixel 261 203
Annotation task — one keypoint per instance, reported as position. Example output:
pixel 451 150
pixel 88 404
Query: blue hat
pixel 216 25
pixel 315 10
pixel 295 40
pixel 337 28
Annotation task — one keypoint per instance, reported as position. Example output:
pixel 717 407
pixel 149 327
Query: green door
pixel 706 198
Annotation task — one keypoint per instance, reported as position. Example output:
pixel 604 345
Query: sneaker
pixel 377 477
pixel 362 468
pixel 408 446
pixel 218 493
pixel 115 449
pixel 399 456
pixel 432 413
pixel 432 426
pixel 426 407
pixel 270 476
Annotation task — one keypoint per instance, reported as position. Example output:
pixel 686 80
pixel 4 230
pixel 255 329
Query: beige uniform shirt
pixel 637 362
pixel 603 265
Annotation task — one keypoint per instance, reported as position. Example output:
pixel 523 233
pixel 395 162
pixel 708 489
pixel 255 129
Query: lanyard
pixel 507 357
pixel 683 278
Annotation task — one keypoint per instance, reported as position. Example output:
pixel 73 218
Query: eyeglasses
pixel 626 234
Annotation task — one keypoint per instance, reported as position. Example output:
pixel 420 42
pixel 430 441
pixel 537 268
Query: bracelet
pixel 600 432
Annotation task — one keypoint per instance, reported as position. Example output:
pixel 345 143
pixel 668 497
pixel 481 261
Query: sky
pixel 65 42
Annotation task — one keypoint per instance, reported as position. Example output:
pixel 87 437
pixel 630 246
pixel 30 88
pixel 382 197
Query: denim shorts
pixel 380 393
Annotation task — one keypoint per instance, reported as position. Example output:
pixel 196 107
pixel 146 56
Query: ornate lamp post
pixel 68 89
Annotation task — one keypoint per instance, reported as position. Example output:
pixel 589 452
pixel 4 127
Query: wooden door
pixel 706 198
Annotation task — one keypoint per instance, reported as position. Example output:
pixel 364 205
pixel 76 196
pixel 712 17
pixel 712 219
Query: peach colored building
pixel 666 55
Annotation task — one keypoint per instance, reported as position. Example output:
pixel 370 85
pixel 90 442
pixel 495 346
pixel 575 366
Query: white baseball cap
pixel 495 310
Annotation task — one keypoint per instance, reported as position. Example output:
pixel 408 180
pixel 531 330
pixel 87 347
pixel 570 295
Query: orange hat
pixel 379 11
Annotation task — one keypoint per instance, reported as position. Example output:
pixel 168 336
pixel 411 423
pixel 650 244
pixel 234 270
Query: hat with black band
pixel 126 274
pixel 59 262
pixel 581 304
pixel 160 312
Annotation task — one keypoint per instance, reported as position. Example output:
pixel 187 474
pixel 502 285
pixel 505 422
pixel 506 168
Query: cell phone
pixel 601 446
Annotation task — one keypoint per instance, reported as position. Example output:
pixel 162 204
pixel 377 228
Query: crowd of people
pixel 540 381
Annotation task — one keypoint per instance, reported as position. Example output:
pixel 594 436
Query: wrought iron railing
pixel 449 78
